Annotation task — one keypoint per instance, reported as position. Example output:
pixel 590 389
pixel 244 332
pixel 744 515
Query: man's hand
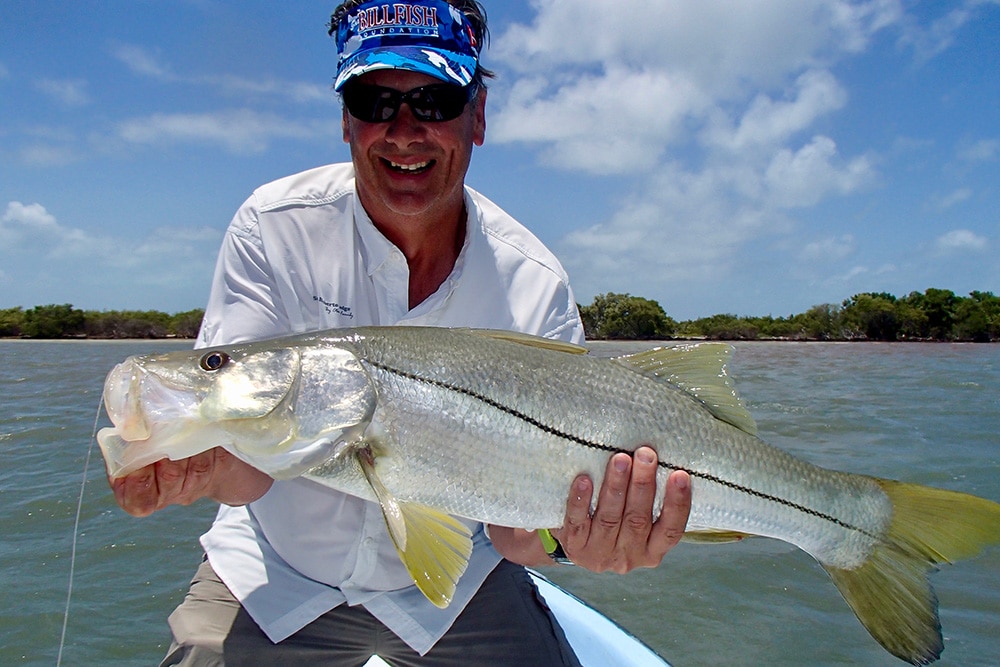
pixel 621 535
pixel 214 474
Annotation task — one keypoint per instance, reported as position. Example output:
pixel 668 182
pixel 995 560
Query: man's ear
pixel 345 126
pixel 479 117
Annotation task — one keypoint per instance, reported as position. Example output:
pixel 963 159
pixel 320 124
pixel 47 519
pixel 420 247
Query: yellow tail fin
pixel 890 592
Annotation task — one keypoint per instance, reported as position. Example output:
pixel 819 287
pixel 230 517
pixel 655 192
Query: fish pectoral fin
pixel 713 536
pixel 700 370
pixel 434 546
pixel 890 592
pixel 437 551
pixel 529 340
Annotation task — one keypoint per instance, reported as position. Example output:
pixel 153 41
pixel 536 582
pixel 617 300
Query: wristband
pixel 553 548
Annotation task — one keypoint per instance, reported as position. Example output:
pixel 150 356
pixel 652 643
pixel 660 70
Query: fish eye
pixel 213 361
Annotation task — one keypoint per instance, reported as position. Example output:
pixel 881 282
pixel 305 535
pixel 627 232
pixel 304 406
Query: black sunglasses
pixel 430 104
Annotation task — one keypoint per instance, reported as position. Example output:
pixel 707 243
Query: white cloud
pixel 78 265
pixel 886 269
pixel 690 225
pixel 941 33
pixel 48 146
pixel 767 122
pixel 241 131
pixel 4 72
pixel 952 198
pixel 31 228
pixel 147 64
pixel 142 62
pixel 984 150
pixel 178 244
pixel 618 123
pixel 43 155
pixel 705 105
pixel 852 273
pixel 615 92
pixel 644 76
pixel 679 227
pixel 684 225
pixel 961 240
pixel 804 177
pixel 67 92
pixel 831 249
pixel 724 44
pixel 296 91
pixel 21 218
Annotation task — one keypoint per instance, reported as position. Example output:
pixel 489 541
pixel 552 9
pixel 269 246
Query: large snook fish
pixel 494 426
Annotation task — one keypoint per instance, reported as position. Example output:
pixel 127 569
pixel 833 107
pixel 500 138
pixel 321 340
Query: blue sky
pixel 720 157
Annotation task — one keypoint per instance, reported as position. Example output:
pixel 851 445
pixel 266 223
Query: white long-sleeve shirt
pixel 302 255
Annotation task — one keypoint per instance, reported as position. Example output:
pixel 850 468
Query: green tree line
pixel 65 321
pixel 933 315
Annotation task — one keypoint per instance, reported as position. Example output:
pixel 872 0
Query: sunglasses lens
pixel 438 103
pixel 371 104
pixel 435 103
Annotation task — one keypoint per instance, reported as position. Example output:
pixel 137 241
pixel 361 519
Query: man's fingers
pixel 164 483
pixel 621 534
pixel 669 527
pixel 198 475
pixel 576 527
pixel 137 493
pixel 637 518
pixel 611 499
pixel 170 478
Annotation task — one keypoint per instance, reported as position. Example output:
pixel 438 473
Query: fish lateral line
pixel 551 430
pixel 781 501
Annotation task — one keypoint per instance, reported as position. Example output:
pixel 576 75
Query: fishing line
pixel 76 533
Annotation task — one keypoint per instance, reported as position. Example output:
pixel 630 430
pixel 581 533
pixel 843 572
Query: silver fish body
pixel 494 427
pixel 501 443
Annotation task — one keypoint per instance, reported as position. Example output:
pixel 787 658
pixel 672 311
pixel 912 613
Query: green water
pixel 921 413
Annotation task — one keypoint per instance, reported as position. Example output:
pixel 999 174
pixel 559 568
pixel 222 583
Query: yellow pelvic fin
pixel 710 536
pixel 700 370
pixel 890 591
pixel 434 546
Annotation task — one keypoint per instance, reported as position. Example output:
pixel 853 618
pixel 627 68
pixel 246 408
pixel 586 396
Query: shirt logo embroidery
pixel 335 308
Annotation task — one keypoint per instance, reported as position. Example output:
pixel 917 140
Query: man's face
pixel 406 168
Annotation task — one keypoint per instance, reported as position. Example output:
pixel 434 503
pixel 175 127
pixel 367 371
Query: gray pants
pixel 505 623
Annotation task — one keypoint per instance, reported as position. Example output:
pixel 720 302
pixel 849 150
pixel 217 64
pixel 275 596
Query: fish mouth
pixel 122 391
pixel 144 411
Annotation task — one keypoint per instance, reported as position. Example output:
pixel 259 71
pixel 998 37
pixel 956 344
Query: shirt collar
pixel 376 248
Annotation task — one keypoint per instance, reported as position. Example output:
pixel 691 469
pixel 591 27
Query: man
pixel 299 574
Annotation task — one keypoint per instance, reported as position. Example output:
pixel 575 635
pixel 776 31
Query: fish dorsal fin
pixel 529 340
pixel 700 370
pixel 434 546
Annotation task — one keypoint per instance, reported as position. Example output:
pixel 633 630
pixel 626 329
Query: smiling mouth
pixel 415 168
